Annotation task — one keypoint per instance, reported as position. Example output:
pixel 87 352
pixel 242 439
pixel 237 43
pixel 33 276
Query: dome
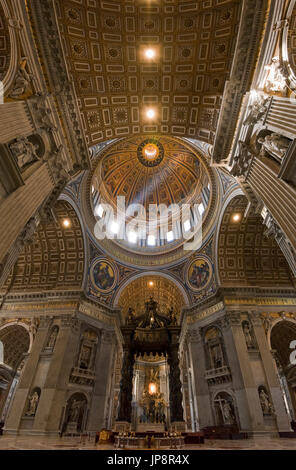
pixel 150 170
pixel 155 174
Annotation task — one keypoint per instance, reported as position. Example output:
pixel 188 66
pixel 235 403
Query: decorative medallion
pixel 199 273
pixel 150 153
pixel 103 275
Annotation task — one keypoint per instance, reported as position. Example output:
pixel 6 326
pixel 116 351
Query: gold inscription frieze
pixel 205 313
pixel 260 301
pixel 39 307
pixel 96 314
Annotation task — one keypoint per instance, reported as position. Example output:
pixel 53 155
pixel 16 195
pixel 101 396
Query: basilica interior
pixel 173 330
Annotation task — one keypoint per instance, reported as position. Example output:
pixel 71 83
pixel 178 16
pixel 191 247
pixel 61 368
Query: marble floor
pixel 70 443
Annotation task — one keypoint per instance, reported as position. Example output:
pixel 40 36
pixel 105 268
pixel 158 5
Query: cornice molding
pixel 50 47
pixel 247 50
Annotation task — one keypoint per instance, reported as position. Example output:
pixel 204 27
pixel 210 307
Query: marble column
pixel 18 208
pixel 200 389
pixel 272 379
pixel 18 407
pixel 248 404
pixel 101 398
pixel 54 391
pixel 176 408
pixel 126 386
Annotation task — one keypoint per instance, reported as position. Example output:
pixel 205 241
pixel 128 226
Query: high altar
pixel 150 390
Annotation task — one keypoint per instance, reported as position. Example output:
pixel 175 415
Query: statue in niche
pixel 33 404
pixel 276 80
pixel 74 411
pixel 22 81
pixel 257 110
pixel 248 336
pixel 274 144
pixel 24 151
pixel 216 356
pixel 228 416
pixel 52 339
pixel 265 402
pixel 84 357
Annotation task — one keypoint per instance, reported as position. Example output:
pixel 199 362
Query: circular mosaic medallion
pixel 103 275
pixel 150 152
pixel 199 273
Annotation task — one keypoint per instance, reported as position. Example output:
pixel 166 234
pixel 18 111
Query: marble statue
pixel 24 151
pixel 257 110
pixel 34 326
pixel 228 417
pixel 276 80
pixel 274 144
pixel 74 412
pixel 22 81
pixel 85 357
pixel 265 402
pixel 216 356
pixel 33 403
pixel 52 339
pixel 248 336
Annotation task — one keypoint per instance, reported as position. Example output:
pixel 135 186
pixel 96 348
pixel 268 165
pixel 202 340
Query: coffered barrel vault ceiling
pixel 104 43
pixel 55 258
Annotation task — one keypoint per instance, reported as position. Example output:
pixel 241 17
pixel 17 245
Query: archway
pixel 5 55
pixel 75 414
pixel 148 335
pixel 282 335
pixel 225 410
pixel 164 289
pixel 15 340
pixel 55 259
pixel 246 257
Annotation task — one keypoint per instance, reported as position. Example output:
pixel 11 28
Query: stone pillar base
pixel 122 426
pixel 178 426
pixel 263 434
pixel 71 428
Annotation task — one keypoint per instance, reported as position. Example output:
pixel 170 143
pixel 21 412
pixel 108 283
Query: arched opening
pixel 163 290
pixel 75 414
pixel 5 49
pixel 55 259
pixel 246 257
pixel 225 410
pixel 33 402
pixel 215 348
pixel 281 338
pixel 14 345
pixel 88 348
pixel 150 404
